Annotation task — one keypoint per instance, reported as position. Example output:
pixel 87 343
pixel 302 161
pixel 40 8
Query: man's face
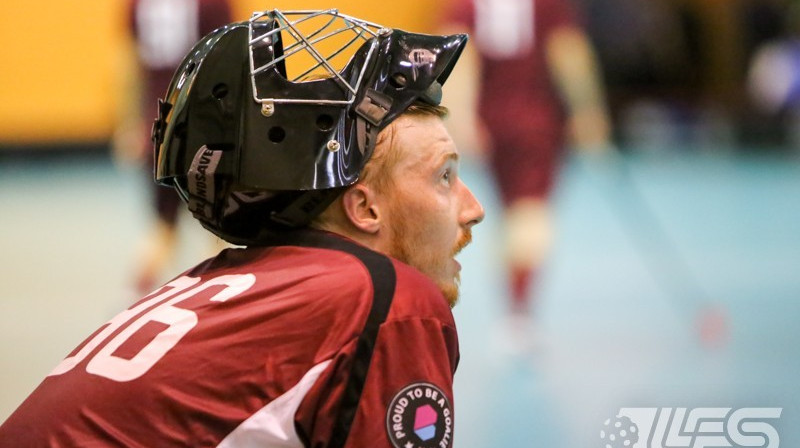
pixel 430 210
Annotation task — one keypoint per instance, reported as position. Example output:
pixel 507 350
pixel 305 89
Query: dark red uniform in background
pixel 517 99
pixel 295 345
pixel 164 31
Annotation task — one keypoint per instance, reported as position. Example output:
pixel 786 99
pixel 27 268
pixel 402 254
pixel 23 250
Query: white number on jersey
pixel 164 310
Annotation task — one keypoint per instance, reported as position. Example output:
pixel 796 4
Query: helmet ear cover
pixel 253 152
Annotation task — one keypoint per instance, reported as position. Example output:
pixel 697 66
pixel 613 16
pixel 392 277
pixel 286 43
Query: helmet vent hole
pixel 398 80
pixel 325 122
pixel 276 134
pixel 220 91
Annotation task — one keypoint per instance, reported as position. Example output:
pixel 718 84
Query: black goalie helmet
pixel 266 121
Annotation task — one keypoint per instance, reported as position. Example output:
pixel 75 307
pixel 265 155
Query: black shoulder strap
pixel 383 278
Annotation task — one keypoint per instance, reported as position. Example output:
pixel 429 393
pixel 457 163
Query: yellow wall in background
pixel 58 70
pixel 412 15
pixel 64 62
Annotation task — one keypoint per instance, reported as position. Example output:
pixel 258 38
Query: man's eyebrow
pixel 452 155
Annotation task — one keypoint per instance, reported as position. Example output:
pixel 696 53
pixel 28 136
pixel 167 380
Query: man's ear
pixel 361 208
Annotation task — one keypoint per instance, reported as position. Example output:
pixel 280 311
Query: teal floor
pixel 641 246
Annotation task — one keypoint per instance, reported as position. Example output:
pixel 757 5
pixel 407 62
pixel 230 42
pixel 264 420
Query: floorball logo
pixel 692 428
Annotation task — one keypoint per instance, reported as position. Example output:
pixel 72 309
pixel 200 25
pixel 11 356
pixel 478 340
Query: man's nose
pixel 472 212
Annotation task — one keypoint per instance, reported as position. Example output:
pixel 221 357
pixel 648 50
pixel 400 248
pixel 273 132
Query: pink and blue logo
pixel 425 422
pixel 420 416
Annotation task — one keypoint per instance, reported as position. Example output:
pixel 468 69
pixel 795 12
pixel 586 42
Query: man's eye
pixel 446 176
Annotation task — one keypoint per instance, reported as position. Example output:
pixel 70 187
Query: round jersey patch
pixel 420 416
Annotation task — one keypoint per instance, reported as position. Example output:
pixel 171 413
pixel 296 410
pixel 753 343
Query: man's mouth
pixel 465 239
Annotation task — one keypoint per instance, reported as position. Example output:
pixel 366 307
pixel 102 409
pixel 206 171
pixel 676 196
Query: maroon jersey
pixel 517 98
pixel 318 342
pixel 516 89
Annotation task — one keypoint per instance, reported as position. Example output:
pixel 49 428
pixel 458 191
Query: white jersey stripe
pixel 273 425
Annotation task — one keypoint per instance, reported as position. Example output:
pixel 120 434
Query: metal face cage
pixel 311 44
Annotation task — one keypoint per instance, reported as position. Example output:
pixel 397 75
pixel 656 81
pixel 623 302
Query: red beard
pixel 407 247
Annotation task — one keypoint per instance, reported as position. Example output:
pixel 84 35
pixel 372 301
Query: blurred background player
pixel 773 80
pixel 163 31
pixel 533 88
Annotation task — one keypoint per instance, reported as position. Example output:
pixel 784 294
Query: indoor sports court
pixel 615 319
pixel 664 317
